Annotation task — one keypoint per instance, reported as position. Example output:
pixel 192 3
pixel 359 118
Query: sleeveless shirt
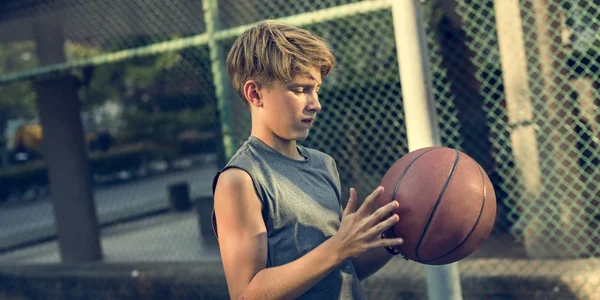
pixel 301 208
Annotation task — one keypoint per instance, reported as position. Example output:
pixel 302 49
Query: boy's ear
pixel 252 93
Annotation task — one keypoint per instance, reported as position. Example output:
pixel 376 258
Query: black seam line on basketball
pixel 398 185
pixel 402 177
pixel 408 167
pixel 437 203
pixel 474 225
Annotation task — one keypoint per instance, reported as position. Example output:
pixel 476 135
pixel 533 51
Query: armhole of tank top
pixel 213 217
pixel 338 181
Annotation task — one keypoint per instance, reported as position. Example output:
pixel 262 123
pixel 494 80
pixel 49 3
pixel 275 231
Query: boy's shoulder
pixel 253 155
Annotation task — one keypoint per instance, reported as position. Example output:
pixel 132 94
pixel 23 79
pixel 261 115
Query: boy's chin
pixel 296 135
pixel 297 138
pixel 301 137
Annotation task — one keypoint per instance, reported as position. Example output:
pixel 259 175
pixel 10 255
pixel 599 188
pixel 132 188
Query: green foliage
pixel 16 99
pixel 152 111
pixel 166 126
pixel 122 81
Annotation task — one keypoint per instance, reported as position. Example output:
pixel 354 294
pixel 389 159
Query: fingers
pixel 351 205
pixel 383 212
pixel 369 202
pixel 382 226
pixel 389 242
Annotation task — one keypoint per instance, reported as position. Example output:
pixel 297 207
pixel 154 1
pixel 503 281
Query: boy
pixel 282 231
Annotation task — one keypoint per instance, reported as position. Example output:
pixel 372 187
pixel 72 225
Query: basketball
pixel 447 204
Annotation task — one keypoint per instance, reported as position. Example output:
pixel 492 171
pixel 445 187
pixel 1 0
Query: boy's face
pixel 288 110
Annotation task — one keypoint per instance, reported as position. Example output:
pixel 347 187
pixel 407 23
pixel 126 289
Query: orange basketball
pixel 447 204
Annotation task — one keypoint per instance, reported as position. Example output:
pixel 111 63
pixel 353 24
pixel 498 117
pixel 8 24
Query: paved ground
pixel 35 220
pixel 168 237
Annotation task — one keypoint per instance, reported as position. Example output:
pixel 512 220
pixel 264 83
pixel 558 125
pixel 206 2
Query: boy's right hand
pixel 360 230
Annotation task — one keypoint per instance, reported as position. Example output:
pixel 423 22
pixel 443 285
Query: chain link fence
pixel 515 83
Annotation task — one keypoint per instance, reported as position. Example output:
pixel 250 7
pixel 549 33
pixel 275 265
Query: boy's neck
pixel 285 147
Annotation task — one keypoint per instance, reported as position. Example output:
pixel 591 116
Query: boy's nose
pixel 314 104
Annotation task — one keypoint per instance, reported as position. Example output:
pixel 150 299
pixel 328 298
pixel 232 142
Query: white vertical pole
pixel 443 282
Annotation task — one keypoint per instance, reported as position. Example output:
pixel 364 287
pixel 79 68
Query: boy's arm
pixel 370 262
pixel 243 246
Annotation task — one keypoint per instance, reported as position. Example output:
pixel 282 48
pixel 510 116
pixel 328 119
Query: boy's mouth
pixel 308 121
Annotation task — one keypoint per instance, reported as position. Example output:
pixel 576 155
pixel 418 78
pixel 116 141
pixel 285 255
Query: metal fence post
pixel 221 81
pixel 64 149
pixel 443 282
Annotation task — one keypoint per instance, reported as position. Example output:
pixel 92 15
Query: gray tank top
pixel 301 208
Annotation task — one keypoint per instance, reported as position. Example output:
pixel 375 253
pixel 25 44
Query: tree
pixel 17 99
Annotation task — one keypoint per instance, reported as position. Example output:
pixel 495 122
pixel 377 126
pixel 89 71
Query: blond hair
pixel 273 50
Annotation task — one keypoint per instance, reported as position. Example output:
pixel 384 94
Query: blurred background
pixel 116 115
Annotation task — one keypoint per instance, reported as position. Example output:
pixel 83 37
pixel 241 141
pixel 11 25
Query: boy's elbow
pixel 246 295
pixel 239 295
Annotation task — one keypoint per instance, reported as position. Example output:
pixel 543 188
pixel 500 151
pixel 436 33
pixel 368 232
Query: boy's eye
pixel 300 90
